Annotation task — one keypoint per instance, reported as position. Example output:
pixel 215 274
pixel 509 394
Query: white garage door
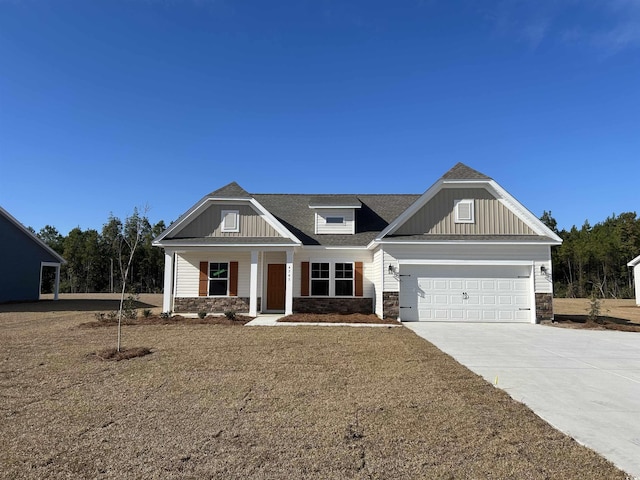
pixel 465 293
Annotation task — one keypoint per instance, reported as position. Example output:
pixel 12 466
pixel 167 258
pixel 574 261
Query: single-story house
pixel 465 250
pixel 25 258
pixel 635 264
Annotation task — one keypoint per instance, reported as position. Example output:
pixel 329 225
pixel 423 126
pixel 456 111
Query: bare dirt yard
pixel 614 314
pixel 220 401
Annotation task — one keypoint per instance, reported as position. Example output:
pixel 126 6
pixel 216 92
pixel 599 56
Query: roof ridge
pixel 460 171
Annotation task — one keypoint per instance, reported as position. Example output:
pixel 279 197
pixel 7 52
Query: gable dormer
pixel 335 214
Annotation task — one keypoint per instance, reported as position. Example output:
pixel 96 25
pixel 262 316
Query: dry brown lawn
pixel 625 309
pixel 621 315
pixel 216 401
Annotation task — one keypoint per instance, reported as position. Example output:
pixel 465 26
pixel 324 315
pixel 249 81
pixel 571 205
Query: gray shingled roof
pixel 376 213
pixel 462 172
pixel 232 190
pixel 335 201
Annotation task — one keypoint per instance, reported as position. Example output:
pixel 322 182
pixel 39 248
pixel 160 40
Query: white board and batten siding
pixel 187 271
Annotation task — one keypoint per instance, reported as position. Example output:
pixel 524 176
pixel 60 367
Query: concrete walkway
pixel 271 320
pixel 586 383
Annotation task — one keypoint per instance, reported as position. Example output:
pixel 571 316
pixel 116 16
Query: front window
pixel 344 279
pixel 218 278
pixel 320 279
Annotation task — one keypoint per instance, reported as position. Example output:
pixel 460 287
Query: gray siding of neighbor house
pixel 20 264
pixel 491 216
pixel 208 224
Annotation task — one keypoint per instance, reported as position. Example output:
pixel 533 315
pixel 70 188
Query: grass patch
pixel 216 402
pixel 337 318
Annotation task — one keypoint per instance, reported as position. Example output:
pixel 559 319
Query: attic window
pixel 230 221
pixel 464 211
pixel 335 220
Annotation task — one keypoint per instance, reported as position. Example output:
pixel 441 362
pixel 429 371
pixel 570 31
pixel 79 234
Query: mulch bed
pixel 175 320
pixel 112 354
pixel 337 318
pixel 603 323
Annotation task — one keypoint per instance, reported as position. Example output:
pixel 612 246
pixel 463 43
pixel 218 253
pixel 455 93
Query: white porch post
pixel 168 281
pixel 253 285
pixel 288 303
pixel 56 288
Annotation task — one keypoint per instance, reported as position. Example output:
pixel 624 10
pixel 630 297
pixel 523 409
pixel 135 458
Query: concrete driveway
pixel 586 383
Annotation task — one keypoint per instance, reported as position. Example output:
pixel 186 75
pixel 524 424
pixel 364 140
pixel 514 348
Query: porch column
pixel 168 281
pixel 56 287
pixel 253 285
pixel 288 302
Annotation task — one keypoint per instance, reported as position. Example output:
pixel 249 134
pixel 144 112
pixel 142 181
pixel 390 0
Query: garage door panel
pixel 466 293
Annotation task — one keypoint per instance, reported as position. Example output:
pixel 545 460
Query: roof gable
pixel 199 220
pixel 29 236
pixel 499 214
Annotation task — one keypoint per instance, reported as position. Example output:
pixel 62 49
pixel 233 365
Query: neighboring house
pixel 635 263
pixel 465 250
pixel 25 258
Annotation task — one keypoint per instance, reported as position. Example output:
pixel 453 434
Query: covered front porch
pixel 218 279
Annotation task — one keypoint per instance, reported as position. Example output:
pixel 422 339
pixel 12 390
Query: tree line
pixel 94 257
pixel 592 260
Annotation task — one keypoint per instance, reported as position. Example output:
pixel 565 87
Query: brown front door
pixel 275 286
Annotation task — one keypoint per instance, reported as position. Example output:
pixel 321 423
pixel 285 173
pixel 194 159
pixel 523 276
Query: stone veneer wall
pixel 390 305
pixel 211 304
pixel 332 305
pixel 544 306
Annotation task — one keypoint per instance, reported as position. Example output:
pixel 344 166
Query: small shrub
pixel 165 315
pixel 146 313
pixel 595 309
pixel 129 309
pixel 112 316
pixel 202 314
pixel 100 316
pixel 230 314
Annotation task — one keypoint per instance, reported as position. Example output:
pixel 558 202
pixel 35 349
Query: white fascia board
pixel 180 222
pixel 205 202
pixel 523 213
pixel 464 242
pixel 466 262
pixel 33 237
pixel 634 262
pixel 238 248
pixel 243 246
pixel 273 221
pixel 413 208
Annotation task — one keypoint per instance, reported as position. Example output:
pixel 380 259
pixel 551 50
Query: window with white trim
pixel 464 211
pixel 343 279
pixel 335 220
pixel 320 279
pixel 218 278
pixel 230 221
pixel 332 279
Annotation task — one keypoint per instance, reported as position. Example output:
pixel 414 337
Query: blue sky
pixel 107 105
